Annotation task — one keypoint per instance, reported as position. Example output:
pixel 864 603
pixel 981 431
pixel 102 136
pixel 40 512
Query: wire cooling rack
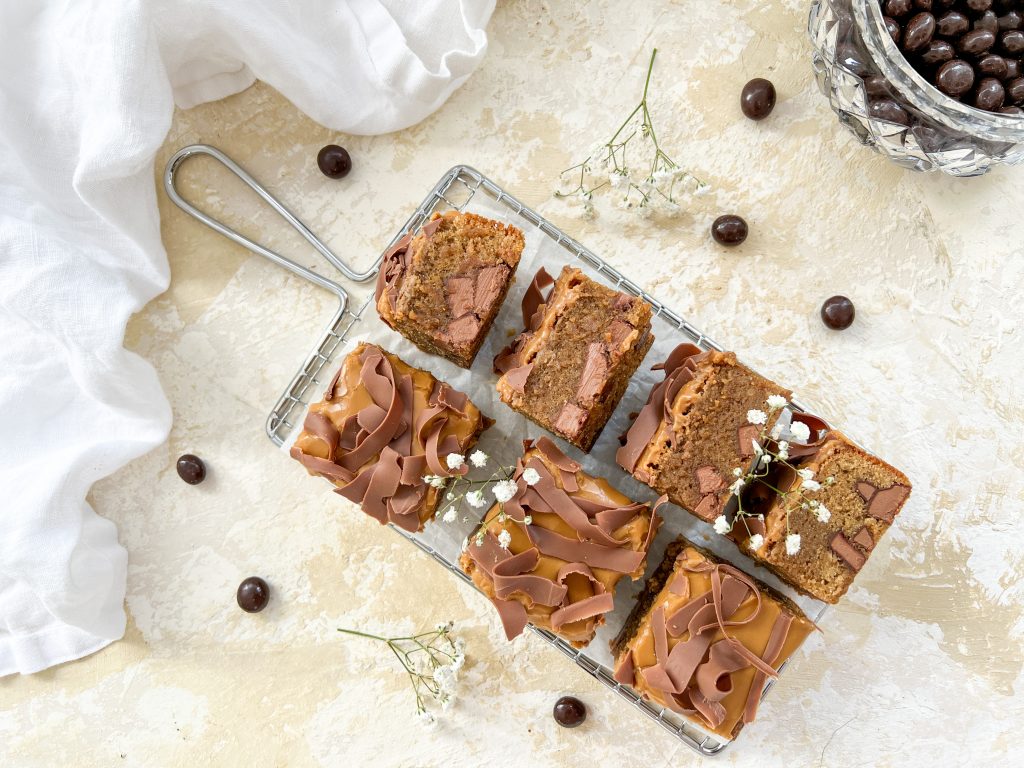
pixel 456 189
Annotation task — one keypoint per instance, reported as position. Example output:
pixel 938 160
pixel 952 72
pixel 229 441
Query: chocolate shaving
pixel 395 263
pixel 819 430
pixel 516 378
pixel 534 298
pixel 846 552
pixel 678 369
pixel 570 419
pixel 772 652
pixel 594 375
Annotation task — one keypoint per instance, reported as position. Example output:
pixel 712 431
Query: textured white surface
pixel 926 649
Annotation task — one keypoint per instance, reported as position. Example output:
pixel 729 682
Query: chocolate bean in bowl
pixel 932 84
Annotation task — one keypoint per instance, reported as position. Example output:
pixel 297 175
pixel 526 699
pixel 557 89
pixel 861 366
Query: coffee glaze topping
pixel 560 570
pixel 381 427
pixel 709 642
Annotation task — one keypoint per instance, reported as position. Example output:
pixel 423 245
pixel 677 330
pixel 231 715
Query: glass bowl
pixel 862 72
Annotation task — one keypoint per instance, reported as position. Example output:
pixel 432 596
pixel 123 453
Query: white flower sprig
pixel 432 660
pixel 798 497
pixel 655 181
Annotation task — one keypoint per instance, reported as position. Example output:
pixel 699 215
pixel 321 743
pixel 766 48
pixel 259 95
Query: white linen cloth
pixel 87 90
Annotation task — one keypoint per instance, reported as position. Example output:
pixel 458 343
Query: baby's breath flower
pixel 722 525
pixel 465 544
pixel 449 515
pixel 737 486
pixel 783 452
pixel 478 459
pixel 527 520
pixel 701 190
pixel 805 474
pixel 823 514
pixel 830 479
pixel 435 481
pixel 427 719
pixel 455 460
pixel 754 416
pixel 531 476
pixel 800 431
pixel 476 499
pixel 756 541
pixel 504 490
pixel 737 472
pixel 618 180
pixel 776 432
pixel 775 402
pixel 792 544
pixel 811 485
pixel 504 539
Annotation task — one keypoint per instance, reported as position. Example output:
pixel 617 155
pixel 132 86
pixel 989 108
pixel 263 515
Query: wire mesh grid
pixel 455 190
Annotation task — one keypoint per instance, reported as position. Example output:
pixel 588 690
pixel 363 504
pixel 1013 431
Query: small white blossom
pixel 476 499
pixel 811 485
pixel 465 544
pixel 435 481
pixel 478 459
pixel 722 525
pixel 792 544
pixel 776 401
pixel 783 452
pixel 756 541
pixel 450 496
pixel 701 190
pixel 455 460
pixel 427 719
pixel 776 431
pixel 830 479
pixel 662 176
pixel 531 476
pixel 504 490
pixel 800 431
pixel 737 486
pixel 767 458
pixel 527 520
pixel 446 680
pixel 758 450
pixel 823 513
pixel 737 472
pixel 754 416
pixel 504 539
pixel 449 515
pixel 618 180
pixel 805 474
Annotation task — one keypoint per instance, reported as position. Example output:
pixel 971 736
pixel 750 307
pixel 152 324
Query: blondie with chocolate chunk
pixel 837 498
pixel 443 287
pixel 553 553
pixel 381 427
pixel 570 366
pixel 704 638
pixel 694 431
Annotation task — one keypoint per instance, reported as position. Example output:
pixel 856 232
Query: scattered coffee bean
pixel 334 161
pixel 757 99
pixel 887 109
pixel 837 313
pixel 253 594
pixel 191 469
pixel 923 5
pixel 729 230
pixel 1013 70
pixel 979 5
pixel 955 77
pixel 569 712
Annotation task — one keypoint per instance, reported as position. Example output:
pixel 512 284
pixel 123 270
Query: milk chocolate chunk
pixel 848 553
pixel 381 427
pixel 704 637
pixel 442 287
pixel 570 538
pixel 569 367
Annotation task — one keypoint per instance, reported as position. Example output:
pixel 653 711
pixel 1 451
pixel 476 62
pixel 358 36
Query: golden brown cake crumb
pixel 443 287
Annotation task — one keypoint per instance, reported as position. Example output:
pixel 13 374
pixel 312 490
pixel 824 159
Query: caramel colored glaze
pixel 753 635
pixel 579 633
pixel 350 397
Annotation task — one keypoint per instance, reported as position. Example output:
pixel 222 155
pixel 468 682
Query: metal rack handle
pixel 170 178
